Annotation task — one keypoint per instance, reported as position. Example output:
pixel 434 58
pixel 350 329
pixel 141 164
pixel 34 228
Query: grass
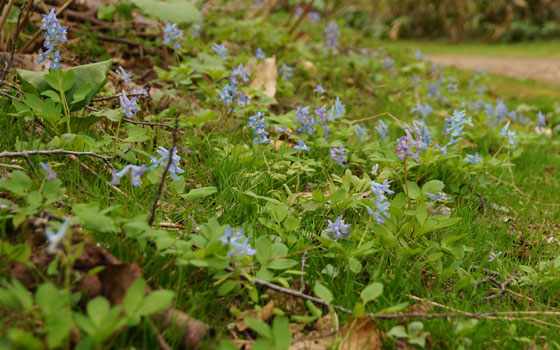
pixel 439 266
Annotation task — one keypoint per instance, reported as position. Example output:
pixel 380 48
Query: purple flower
pixel 383 129
pixel 331 36
pixel 339 155
pixel 47 168
pixel 258 124
pixel 319 89
pixel 424 110
pixel 286 71
pixel 379 189
pixel 54 34
pixel 241 72
pixel 452 87
pixel 443 149
pixel 338 229
pixel 438 197
pixel 163 161
pixel 541 120
pixel 260 54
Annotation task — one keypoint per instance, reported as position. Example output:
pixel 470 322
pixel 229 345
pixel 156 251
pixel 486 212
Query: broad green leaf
pixel 97 309
pixel 68 80
pixel 113 115
pixel 134 296
pixel 282 264
pixel 413 190
pixel 281 333
pixel 95 74
pixel 199 193
pixel 259 326
pixel 264 250
pixel 178 11
pixel 155 301
pixel 81 93
pixel 371 292
pixel 323 292
pixel 433 187
pixel 18 184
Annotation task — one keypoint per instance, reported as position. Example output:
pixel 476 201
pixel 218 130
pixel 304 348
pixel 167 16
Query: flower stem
pixel 63 100
pixel 406 185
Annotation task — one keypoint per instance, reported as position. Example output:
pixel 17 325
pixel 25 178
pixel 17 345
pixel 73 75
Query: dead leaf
pixel 264 314
pixel 360 334
pixel 266 77
pixel 309 67
pixel 193 330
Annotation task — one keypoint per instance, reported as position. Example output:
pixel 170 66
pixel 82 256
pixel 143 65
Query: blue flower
pixel 452 87
pixel 424 110
pixel 455 124
pixel 136 173
pixel 260 54
pixel 388 63
pixel 54 34
pixel 383 129
pixel 319 89
pixel 286 72
pixel 338 155
pixel 361 132
pixel 374 169
pixel 331 35
pixel 283 130
pixel 129 105
pixel 541 120
pixel 54 239
pixel 123 74
pixel 302 146
pixel 172 35
pixel 473 158
pixel 258 124
pixel 380 201
pixel 305 120
pixel 438 197
pixel 493 256
pixel 419 55
pixel 241 72
pixel 163 161
pixel 231 239
pixel 379 189
pixel 404 147
pixel 220 50
pixel 443 149
pixel 230 94
pixel 338 229
pixel 337 110
pixel 47 168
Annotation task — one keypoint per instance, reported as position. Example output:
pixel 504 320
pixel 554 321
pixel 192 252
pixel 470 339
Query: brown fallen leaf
pixel 264 314
pixel 360 334
pixel 266 77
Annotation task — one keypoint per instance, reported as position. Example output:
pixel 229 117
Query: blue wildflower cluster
pixel 258 124
pixel 405 145
pixel 163 161
pixel 286 72
pixel 124 75
pixel 319 89
pixel 232 239
pixel 173 35
pixel 380 201
pixel 510 134
pixel 382 129
pixel 129 105
pixel 360 132
pixel 338 155
pixel 338 229
pixel 54 34
pixel 337 110
pixel 221 50
pixel 438 197
pixel 50 173
pixel 230 95
pixel 136 173
pixel 473 158
pixel 423 110
pixel 331 36
pixel 241 72
pixel 302 146
pixel 260 54
pixel 422 133
pixel 455 124
pixel 53 238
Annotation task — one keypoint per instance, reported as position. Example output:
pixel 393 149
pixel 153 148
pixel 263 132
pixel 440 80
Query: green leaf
pixel 95 74
pixel 421 213
pixel 134 296
pixel 398 332
pixel 81 93
pixel 282 264
pixel 291 223
pixel 53 95
pixel 18 184
pixel 68 80
pixel 371 292
pixel 413 190
pixel 34 103
pixel 264 250
pixel 281 333
pixel 97 308
pixel 433 187
pixel 323 292
pixel 178 11
pixel 155 301
pixel 199 193
pixel 113 115
pixel 259 326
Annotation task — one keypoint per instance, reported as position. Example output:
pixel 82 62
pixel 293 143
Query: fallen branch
pixel 26 154
pixel 114 97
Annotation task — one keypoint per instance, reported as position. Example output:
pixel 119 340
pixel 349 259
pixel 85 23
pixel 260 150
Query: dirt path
pixel 542 69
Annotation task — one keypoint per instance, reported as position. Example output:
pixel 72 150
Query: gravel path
pixel 542 69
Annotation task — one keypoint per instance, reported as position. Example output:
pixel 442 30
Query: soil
pixel 541 69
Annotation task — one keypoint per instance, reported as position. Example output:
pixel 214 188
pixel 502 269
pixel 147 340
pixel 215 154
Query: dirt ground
pixel 541 69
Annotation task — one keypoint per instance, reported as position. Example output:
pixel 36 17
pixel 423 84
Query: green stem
pixel 406 185
pixel 117 137
pixel 63 100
